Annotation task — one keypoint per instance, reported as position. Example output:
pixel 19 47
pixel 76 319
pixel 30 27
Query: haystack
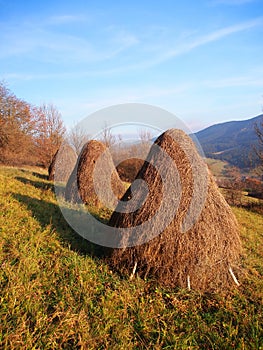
pixel 129 168
pixel 198 245
pixel 94 177
pixel 62 164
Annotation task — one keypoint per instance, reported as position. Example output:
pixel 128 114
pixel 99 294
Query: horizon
pixel 230 121
pixel 200 62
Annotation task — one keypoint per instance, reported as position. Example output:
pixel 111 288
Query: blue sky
pixel 201 60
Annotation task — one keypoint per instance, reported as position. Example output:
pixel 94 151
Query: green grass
pixel 56 293
pixel 216 166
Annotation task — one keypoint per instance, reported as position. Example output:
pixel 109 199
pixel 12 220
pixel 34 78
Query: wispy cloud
pixel 42 45
pixel 189 45
pixel 42 41
pixel 65 19
pixel 231 2
pixel 212 37
pixel 242 81
pixel 100 54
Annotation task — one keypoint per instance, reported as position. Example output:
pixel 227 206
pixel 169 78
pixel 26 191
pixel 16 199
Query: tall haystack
pixel 62 164
pixel 194 240
pixel 94 177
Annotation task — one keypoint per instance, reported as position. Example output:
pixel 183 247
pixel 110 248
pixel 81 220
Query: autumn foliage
pixel 28 134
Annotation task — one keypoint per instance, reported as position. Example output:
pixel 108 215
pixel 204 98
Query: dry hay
pixel 204 256
pixel 62 164
pixel 129 168
pixel 95 156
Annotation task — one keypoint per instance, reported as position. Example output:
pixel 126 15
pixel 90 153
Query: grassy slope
pixel 216 166
pixel 56 295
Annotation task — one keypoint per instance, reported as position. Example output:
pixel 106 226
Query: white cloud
pixel 231 2
pixel 185 47
pixel 88 53
pixel 41 41
pixel 212 37
pixel 65 19
pixel 188 46
pixel 235 82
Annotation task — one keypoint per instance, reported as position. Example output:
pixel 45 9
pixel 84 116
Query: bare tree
pixel 107 137
pixel 50 133
pixel 145 135
pixel 77 137
pixel 234 186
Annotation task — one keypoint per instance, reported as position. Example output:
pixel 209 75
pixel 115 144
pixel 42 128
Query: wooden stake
pixel 133 270
pixel 188 282
pixel 233 276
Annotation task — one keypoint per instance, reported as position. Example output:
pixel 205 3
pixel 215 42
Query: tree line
pixel 28 134
pixel 31 135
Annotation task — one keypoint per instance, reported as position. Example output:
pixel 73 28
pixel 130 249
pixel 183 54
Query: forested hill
pixel 231 141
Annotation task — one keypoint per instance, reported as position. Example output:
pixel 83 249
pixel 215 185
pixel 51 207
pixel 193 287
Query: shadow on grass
pixel 49 214
pixel 41 176
pixel 34 173
pixel 38 184
pixel 254 207
pixel 41 185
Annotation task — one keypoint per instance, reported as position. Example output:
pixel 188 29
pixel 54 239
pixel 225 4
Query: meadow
pixel 57 292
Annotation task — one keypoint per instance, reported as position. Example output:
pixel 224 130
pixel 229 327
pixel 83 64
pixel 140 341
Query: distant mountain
pixel 231 141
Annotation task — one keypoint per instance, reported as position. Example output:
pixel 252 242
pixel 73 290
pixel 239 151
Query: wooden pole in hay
pixel 133 270
pixel 233 276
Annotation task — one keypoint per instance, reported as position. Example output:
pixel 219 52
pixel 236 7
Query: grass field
pixel 216 166
pixel 56 293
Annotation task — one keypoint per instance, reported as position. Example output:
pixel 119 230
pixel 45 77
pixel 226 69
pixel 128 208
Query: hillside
pixel 231 141
pixel 56 294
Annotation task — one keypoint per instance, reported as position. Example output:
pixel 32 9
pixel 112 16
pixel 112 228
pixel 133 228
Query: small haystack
pixel 129 168
pixel 62 164
pixel 198 245
pixel 94 180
